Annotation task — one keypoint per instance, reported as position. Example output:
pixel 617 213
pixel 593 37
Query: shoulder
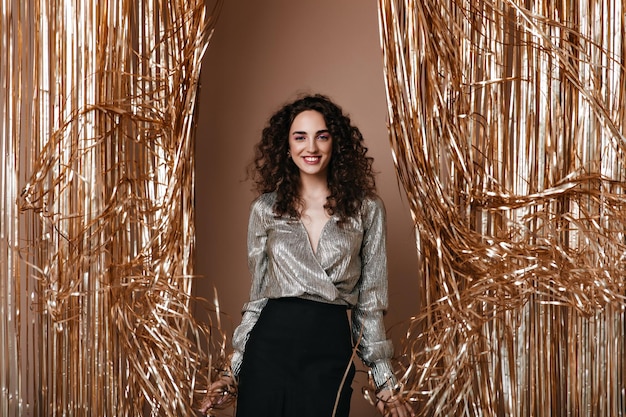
pixel 263 204
pixel 373 212
pixel 372 204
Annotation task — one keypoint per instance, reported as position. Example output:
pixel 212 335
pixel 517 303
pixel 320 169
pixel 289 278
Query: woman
pixel 316 247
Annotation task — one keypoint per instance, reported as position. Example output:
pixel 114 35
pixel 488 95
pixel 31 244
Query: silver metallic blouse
pixel 349 267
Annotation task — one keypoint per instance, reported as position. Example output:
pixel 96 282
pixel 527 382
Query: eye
pixel 299 138
pixel 323 137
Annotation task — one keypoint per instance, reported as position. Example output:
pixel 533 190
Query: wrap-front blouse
pixel 348 267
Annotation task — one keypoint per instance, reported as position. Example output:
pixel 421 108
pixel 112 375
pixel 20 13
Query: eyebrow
pixel 299 132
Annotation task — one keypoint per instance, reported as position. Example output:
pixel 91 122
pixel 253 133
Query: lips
pixel 312 159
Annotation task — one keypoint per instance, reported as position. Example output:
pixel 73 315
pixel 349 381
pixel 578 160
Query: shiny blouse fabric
pixel 349 267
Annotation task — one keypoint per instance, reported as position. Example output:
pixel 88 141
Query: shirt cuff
pixel 382 374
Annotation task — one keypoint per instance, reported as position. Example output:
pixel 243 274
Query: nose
pixel 312 145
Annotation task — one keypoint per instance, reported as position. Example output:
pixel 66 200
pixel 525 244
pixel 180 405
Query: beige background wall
pixel 263 54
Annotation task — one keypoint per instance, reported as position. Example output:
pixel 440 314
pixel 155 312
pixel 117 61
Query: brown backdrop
pixel 263 54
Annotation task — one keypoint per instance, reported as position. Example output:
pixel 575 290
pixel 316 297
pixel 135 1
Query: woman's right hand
pixel 390 404
pixel 220 394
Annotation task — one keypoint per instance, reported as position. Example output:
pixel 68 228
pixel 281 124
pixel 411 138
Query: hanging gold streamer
pixel 507 124
pixel 98 104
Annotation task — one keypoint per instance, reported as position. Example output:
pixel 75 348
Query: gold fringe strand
pixel 98 104
pixel 507 125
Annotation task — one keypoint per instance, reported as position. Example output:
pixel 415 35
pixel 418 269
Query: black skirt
pixel 297 362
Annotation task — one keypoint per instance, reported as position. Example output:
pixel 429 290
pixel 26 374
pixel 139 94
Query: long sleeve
pixel 349 268
pixel 368 327
pixel 257 264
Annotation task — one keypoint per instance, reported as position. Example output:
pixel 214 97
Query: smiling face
pixel 310 144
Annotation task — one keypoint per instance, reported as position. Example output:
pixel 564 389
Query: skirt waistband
pixel 295 301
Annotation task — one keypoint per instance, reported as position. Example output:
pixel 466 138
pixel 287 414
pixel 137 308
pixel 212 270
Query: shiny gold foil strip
pixel 97 222
pixel 507 126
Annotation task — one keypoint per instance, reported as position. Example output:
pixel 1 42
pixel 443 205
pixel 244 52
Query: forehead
pixel 308 120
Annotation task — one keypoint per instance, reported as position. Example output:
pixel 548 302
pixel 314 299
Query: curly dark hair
pixel 350 174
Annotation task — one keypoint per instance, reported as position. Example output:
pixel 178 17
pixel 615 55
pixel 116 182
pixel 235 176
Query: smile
pixel 312 159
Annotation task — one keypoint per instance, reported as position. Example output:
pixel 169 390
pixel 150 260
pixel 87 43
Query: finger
pixel 387 409
pixel 207 404
pixel 223 398
pixel 380 406
pixel 397 408
pixel 394 411
pixel 213 398
pixel 405 410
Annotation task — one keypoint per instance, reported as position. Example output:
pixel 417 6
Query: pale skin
pixel 310 147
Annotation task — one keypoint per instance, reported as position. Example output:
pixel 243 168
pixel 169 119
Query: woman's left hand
pixel 391 404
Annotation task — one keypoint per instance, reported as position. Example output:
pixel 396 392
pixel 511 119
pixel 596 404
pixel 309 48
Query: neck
pixel 313 185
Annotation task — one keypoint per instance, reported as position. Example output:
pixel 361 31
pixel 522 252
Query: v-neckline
pixel 315 250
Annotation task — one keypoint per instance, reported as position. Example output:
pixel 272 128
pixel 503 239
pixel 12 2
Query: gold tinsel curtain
pixel 97 111
pixel 507 123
